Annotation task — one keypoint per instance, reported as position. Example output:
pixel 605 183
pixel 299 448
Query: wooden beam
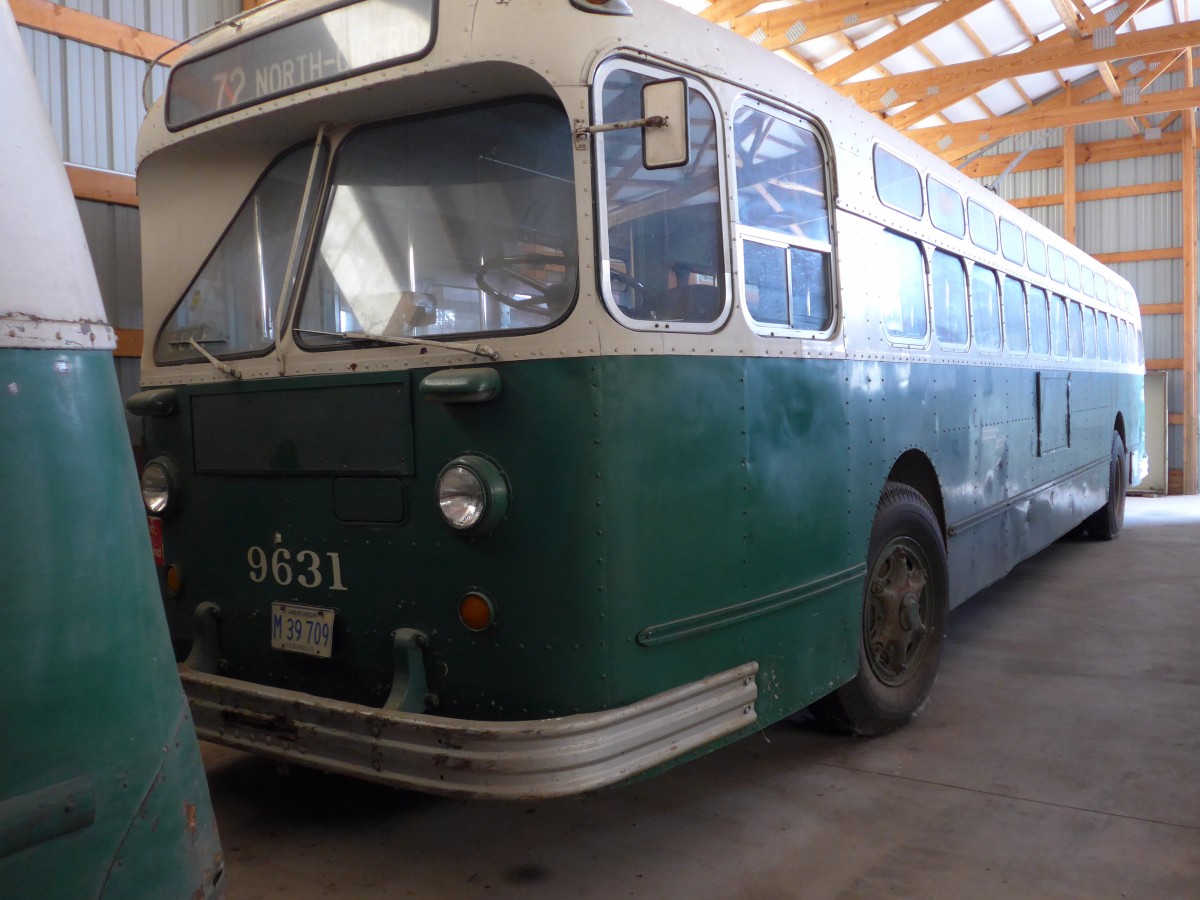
pixel 987 132
pixel 1099 151
pixel 726 10
pixel 1128 190
pixel 913 86
pixel 1191 400
pixel 1126 256
pixel 1175 418
pixel 102 186
pixel 129 343
pixel 791 24
pixel 904 36
pixel 925 108
pixel 1069 198
pixel 42 15
pixel 1161 309
pixel 1163 365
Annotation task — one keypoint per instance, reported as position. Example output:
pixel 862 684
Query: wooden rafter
pixel 1042 57
pixel 904 36
pixel 927 107
pixel 1052 157
pixel 1039 117
pixel 786 26
pixel 1082 92
pixel 42 15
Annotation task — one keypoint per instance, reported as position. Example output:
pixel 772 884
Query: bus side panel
pixel 728 529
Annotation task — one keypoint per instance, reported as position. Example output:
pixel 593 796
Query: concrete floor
pixel 1059 757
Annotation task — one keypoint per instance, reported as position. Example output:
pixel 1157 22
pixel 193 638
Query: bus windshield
pixel 459 223
pixel 229 308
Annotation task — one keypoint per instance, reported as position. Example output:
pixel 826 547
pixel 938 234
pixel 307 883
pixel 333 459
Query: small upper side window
pixel 1057 265
pixel 898 183
pixel 1073 273
pixel 1012 242
pixel 946 208
pixel 1037 254
pixel 983 226
pixel 1089 282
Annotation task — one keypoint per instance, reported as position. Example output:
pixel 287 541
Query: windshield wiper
pixel 477 350
pixel 221 367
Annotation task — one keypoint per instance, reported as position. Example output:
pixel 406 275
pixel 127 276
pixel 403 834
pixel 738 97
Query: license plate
pixel 302 629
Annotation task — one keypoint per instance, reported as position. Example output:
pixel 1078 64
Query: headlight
pixel 159 487
pixel 472 494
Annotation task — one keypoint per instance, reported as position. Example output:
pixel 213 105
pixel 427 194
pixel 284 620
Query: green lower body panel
pixel 102 791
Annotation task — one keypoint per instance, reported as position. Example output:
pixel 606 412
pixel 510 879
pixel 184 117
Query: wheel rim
pixel 895 628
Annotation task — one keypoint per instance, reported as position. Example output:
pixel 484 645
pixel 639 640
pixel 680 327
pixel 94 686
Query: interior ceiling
pixel 959 75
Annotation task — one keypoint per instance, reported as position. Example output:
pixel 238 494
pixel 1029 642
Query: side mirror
pixel 665 145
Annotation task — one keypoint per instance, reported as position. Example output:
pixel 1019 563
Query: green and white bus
pixel 524 415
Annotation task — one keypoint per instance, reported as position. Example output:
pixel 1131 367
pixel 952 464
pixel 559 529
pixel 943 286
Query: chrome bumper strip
pixel 467 758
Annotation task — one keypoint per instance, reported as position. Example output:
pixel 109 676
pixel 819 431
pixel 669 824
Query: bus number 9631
pixel 307 573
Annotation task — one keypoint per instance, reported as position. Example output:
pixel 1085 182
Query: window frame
pixel 769 237
pixel 926 340
pixel 658 72
pixel 880 147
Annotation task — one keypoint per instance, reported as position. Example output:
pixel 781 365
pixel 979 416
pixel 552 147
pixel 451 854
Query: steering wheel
pixel 635 287
pixel 550 298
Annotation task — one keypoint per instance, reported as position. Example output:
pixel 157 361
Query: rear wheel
pixel 1106 522
pixel 905 610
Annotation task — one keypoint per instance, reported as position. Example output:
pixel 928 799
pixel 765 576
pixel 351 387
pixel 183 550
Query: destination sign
pixel 324 47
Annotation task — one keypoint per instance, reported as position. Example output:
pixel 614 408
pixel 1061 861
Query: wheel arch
pixel 1119 427
pixel 914 469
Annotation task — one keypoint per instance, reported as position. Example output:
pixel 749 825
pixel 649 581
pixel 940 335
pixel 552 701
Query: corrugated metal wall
pixel 94 100
pixel 1148 222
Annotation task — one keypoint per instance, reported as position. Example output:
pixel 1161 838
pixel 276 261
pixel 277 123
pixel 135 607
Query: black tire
pixel 898 654
pixel 1105 523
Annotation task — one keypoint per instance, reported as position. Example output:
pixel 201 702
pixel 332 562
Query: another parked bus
pixel 528 414
pixel 102 790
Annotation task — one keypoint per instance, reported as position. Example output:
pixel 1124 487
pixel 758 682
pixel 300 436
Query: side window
pixel 1089 332
pixel 1058 326
pixel 1057 265
pixel 1015 335
pixel 1102 335
pixel 1012 242
pixel 1114 339
pixel 902 269
pixel 898 183
pixel 1075 330
pixel 949 280
pixel 946 208
pixel 1039 323
pixel 1073 273
pixel 663 245
pixel 784 220
pixel 985 308
pixel 1037 255
pixel 1089 285
pixel 983 226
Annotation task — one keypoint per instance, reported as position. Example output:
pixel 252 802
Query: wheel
pixel 1106 522
pixel 504 278
pixel 905 609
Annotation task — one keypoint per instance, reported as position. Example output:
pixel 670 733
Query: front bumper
pixel 530 759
